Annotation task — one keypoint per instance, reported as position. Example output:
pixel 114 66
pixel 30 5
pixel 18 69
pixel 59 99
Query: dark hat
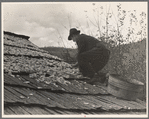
pixel 72 32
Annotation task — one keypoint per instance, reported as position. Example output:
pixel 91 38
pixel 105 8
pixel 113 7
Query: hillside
pixel 67 54
pixel 131 61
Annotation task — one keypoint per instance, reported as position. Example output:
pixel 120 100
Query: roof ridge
pixel 18 35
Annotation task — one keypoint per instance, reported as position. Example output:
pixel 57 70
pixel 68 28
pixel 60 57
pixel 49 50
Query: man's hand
pixel 75 65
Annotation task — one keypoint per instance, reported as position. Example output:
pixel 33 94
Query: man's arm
pixel 81 46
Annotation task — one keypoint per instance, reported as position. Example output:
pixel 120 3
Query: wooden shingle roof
pixel 74 98
pixel 37 83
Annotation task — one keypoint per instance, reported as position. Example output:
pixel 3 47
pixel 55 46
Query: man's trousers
pixel 92 61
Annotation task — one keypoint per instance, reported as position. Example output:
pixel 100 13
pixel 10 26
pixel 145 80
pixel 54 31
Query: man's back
pixel 86 43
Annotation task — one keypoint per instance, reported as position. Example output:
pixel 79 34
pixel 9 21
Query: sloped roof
pixel 36 82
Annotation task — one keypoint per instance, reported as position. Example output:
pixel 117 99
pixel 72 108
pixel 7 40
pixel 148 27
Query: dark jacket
pixel 86 43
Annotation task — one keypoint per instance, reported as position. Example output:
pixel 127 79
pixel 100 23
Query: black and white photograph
pixel 74 59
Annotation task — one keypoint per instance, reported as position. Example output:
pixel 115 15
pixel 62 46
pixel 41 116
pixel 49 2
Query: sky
pixel 48 23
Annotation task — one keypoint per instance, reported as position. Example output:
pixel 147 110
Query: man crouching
pixel 92 54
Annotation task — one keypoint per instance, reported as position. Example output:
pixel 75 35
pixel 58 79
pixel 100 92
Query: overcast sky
pixel 48 23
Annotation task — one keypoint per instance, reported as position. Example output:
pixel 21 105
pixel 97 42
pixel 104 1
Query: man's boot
pixel 94 79
pixel 99 77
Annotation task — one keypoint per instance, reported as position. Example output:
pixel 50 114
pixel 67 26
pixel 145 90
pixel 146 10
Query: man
pixel 92 54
